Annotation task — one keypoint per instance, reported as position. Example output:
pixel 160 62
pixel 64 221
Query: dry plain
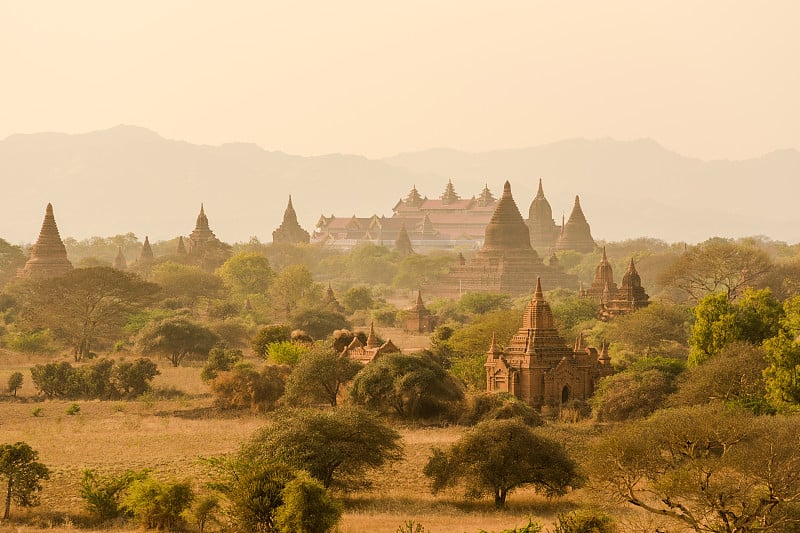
pixel 169 435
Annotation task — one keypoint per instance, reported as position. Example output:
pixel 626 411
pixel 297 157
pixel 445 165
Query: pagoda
pixel 418 318
pixel 369 351
pixel 538 366
pixel 330 302
pixel 119 261
pixel 628 298
pixel 541 225
pixel 290 231
pixel 402 244
pixel 49 255
pixel 603 287
pixel 203 247
pixel 506 262
pixel 575 233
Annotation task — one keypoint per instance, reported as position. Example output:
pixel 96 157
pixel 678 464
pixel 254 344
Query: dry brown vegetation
pixel 168 436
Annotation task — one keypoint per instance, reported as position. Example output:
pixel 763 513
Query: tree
pixel 782 374
pixel 185 281
pixel 319 323
pixel 319 376
pixel 14 382
pixel 412 385
pixel 289 286
pixel 357 298
pixel 482 302
pixel 335 446
pixel 710 468
pixel 636 392
pixel 11 258
pixel 220 360
pixel 717 265
pixel 733 376
pixel 417 270
pixel 102 493
pixel 158 505
pixel 268 335
pixel 84 306
pixel 247 273
pixel 651 330
pixel 285 352
pixel 244 386
pixel 23 473
pixel 177 338
pixel 272 496
pixel 498 456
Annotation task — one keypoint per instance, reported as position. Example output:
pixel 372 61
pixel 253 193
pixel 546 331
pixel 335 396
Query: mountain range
pixel 130 179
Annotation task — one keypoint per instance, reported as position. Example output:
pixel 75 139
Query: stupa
pixel 418 318
pixel 603 287
pixel 330 302
pixel 541 225
pixel 575 233
pixel 290 231
pixel 203 248
pixel 506 262
pixel 49 255
pixel 538 366
pixel 119 261
pixel 402 244
pixel 628 298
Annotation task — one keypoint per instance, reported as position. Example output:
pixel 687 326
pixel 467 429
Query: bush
pixel 219 360
pixel 307 507
pixel 14 382
pixel 490 406
pixel 104 379
pixel 73 409
pixel 29 342
pixel 583 521
pixel 268 335
pixel 285 352
pixel 102 494
pixel 158 505
pixel 244 387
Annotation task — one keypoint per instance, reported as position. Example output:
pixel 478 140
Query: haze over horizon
pixel 711 80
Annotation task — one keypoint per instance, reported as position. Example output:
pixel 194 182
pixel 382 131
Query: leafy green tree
pixel 319 323
pixel 413 386
pixel 14 382
pixel 185 281
pixel 158 505
pixel 335 446
pixel 220 360
pixel 84 306
pixel 710 468
pixel 652 329
pixel 134 378
pixel 11 258
pixel 271 496
pixel 23 474
pixel 357 298
pixel 177 338
pixel 247 273
pixel 307 507
pixel 416 270
pixel 717 265
pixel 103 493
pixel 570 310
pixel 289 287
pixel 268 335
pixel 782 374
pixel 319 376
pixel 498 456
pixel 734 375
pixel 482 302
pixel 638 391
pixel 481 406
pixel 286 352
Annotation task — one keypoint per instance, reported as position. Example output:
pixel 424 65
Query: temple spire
pixel 48 255
pixel 290 230
pixel 146 255
pixel 119 261
pixel 538 294
pixel 372 339
pixel 181 246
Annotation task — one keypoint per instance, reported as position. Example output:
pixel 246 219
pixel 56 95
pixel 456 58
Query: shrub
pixel 584 521
pixel 73 409
pixel 285 352
pixel 490 406
pixel 158 505
pixel 102 494
pixel 219 360
pixel 307 507
pixel 14 382
pixel 244 386
pixel 102 380
pixel 268 335
pixel 30 342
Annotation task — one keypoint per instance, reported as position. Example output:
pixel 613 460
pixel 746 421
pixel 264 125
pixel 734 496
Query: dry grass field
pixel 169 435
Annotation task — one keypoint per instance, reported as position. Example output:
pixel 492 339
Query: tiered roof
pixel 290 230
pixel 576 234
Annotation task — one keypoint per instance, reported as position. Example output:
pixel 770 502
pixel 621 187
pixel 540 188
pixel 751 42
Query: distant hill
pixel 131 179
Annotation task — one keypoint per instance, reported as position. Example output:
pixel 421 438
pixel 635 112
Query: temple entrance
pixel 565 394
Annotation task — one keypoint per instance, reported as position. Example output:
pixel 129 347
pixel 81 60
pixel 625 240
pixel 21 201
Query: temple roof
pixel 403 243
pixel 486 197
pixel 538 334
pixel 540 210
pixel 576 234
pixel 449 195
pixel 146 255
pixel 290 230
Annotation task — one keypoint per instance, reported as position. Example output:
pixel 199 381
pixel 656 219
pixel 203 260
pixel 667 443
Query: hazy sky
pixel 706 78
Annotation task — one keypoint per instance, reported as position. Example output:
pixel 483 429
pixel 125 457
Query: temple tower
pixel 290 231
pixel 402 244
pixel 575 233
pixel 146 255
pixel 486 198
pixel 119 261
pixel 203 248
pixel 49 255
pixel 603 287
pixel 538 366
pixel 418 318
pixel 630 296
pixel 541 225
pixel 330 302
